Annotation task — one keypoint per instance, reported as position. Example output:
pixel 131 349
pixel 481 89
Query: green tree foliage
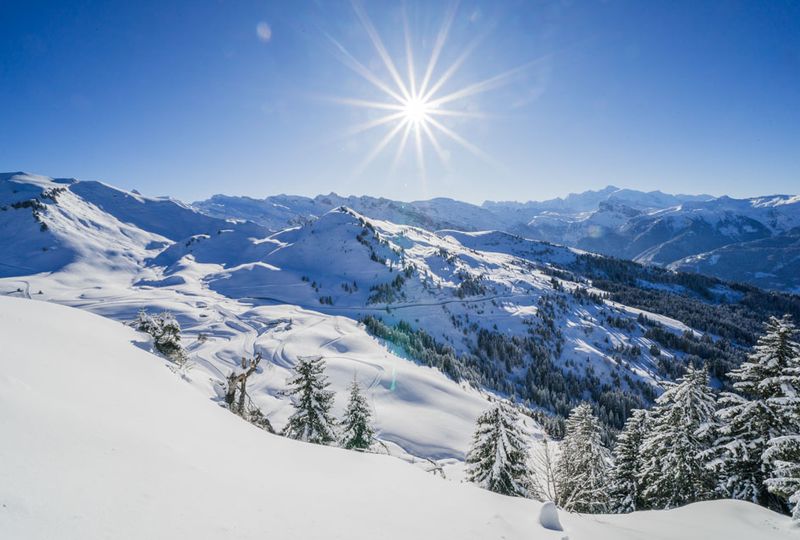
pixel 311 421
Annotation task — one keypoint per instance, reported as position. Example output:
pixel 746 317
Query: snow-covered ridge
pixel 102 440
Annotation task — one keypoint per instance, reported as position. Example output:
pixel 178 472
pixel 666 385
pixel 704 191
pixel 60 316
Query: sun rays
pixel 416 108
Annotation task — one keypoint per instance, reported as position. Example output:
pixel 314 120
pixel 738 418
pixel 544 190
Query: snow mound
pixel 548 517
pixel 102 440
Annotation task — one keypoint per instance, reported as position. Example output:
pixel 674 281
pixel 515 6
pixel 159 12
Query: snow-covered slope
pixel 48 224
pixel 102 440
pixel 115 269
pixel 45 226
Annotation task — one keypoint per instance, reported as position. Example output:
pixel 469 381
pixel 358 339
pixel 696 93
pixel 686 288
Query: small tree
pixel 166 333
pixel 625 485
pixel 673 469
pixel 582 469
pixel 498 458
pixel 357 431
pixel 544 487
pixel 311 421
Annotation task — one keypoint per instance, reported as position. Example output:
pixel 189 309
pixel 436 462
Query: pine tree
pixel 166 333
pixel 783 458
pixel 168 338
pixel 681 430
pixel 766 409
pixel 625 487
pixel 357 431
pixel 498 458
pixel 582 469
pixel 311 420
pixel 144 322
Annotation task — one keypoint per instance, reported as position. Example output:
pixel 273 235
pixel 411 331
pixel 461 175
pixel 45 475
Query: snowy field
pixel 102 440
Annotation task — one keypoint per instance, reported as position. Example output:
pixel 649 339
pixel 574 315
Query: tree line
pixel 692 445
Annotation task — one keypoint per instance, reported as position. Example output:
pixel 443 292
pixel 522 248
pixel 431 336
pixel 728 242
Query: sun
pixel 416 107
pixel 416 111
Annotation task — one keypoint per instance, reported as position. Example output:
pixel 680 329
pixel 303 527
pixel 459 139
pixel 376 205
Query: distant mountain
pixel 280 211
pixel 772 262
pixel 755 235
pixel 590 201
pixel 754 238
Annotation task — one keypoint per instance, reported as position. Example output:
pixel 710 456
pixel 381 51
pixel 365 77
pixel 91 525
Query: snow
pixel 548 517
pixel 102 440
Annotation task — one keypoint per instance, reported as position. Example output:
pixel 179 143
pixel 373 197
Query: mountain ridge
pixel 673 231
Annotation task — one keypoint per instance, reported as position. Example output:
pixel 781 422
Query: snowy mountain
pixel 281 211
pixel 680 236
pixel 491 310
pixel 675 231
pixel 772 262
pixel 99 434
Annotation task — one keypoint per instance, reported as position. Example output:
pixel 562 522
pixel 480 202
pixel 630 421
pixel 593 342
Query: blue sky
pixel 242 97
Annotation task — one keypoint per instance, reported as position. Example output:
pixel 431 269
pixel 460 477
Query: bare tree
pixel 237 383
pixel 238 380
pixel 543 466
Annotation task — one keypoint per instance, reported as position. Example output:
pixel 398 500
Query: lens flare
pixel 414 104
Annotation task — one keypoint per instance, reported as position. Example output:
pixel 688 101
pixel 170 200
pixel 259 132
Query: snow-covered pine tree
pixel 783 458
pixel 625 488
pixel 311 420
pixel 582 469
pixel 498 458
pixel 168 338
pixel 166 333
pixel 765 409
pixel 357 432
pixel 681 429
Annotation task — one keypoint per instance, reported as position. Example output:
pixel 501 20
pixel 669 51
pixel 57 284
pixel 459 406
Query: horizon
pixel 473 100
pixel 408 201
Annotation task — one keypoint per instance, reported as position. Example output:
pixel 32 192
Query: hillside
pixel 99 433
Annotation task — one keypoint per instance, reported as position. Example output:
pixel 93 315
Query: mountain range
pixel 755 240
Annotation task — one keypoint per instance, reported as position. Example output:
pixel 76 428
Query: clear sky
pixel 191 98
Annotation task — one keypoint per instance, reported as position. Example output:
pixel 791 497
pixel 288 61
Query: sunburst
pixel 416 109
